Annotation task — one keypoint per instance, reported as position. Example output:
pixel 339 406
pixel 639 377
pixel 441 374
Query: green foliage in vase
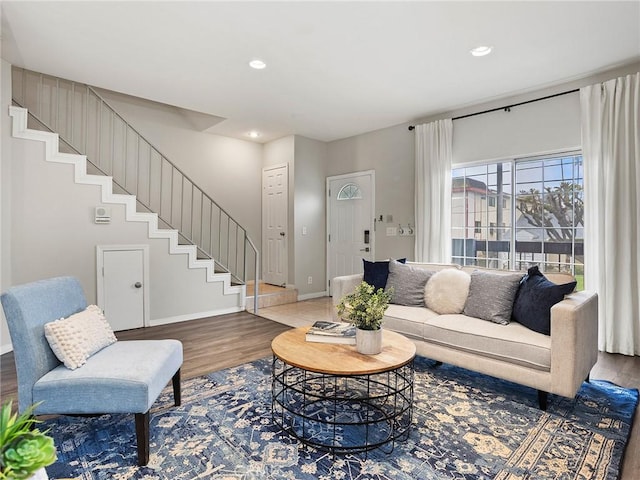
pixel 23 448
pixel 365 307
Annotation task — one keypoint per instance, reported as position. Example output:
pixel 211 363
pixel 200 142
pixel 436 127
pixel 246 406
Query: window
pixel 350 191
pixel 534 214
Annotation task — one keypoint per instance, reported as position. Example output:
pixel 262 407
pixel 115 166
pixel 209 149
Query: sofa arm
pixel 341 286
pixel 574 341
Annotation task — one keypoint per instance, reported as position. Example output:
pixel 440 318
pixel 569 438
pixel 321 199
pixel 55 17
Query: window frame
pixel 515 263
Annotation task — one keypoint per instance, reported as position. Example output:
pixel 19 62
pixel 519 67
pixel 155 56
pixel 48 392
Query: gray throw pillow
pixel 491 296
pixel 408 283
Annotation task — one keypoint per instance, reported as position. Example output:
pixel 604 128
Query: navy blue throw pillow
pixel 536 295
pixel 376 273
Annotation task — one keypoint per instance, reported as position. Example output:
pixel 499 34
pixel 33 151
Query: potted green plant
pixel 365 308
pixel 24 450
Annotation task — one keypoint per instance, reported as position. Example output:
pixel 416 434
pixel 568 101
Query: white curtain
pixel 433 191
pixel 611 152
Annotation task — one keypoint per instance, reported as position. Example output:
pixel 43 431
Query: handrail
pixel 88 124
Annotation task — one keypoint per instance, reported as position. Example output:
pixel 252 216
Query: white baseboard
pixel 193 316
pixel 309 296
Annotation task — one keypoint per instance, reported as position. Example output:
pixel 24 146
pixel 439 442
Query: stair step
pixel 270 295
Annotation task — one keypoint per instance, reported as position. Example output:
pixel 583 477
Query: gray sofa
pixel 557 363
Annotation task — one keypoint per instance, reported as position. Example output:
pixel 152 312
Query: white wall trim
pixel 6 349
pixel 146 303
pixel 194 316
pixel 309 296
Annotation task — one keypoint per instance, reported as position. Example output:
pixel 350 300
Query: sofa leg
pixel 177 395
pixel 542 399
pixel 142 438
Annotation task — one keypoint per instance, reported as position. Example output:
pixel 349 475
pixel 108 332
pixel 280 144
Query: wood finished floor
pixel 220 342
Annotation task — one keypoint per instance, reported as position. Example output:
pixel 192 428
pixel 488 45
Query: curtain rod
pixel 507 108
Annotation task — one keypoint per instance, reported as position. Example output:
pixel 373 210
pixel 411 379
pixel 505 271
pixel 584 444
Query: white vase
pixel 369 342
pixel 40 474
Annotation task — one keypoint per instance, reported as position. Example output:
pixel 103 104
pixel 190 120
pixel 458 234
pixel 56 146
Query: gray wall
pixel 5 194
pixel 390 152
pixel 306 160
pixel 227 169
pixel 310 217
pixel 536 128
pixel 47 224
pixel 51 238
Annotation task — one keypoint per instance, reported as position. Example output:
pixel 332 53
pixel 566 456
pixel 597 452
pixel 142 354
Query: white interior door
pixel 123 286
pixel 275 194
pixel 350 216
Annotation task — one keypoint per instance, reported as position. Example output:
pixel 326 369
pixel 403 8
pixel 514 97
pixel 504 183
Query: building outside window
pixel 535 218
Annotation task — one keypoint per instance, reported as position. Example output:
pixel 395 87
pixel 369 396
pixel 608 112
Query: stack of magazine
pixel 332 332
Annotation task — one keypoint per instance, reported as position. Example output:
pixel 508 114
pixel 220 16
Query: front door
pixel 350 226
pixel 122 285
pixel 275 198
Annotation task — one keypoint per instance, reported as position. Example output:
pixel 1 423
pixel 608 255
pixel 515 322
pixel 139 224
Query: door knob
pixel 282 234
pixel 364 249
pixel 137 285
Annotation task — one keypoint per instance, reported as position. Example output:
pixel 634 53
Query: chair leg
pixel 142 437
pixel 177 395
pixel 542 400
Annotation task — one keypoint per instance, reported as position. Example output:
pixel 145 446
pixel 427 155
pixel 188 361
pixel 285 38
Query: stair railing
pixel 87 124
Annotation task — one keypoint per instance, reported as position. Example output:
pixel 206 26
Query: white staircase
pixel 53 154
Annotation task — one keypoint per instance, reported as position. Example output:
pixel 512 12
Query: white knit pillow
pixel 446 292
pixel 74 339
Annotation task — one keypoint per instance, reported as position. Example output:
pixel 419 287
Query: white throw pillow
pixel 447 290
pixel 74 339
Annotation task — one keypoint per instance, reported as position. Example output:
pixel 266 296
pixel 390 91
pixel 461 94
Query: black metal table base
pixel 343 413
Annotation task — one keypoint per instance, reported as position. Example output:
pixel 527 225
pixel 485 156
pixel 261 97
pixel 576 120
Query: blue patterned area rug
pixel 465 426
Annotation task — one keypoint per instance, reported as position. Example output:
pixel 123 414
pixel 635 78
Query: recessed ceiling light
pixel 253 134
pixel 257 64
pixel 481 51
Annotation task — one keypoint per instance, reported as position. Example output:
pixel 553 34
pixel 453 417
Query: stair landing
pixel 270 295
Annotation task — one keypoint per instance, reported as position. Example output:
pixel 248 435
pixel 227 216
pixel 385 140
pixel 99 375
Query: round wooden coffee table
pixel 334 398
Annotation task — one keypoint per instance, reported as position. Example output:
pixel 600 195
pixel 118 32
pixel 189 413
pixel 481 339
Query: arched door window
pixel 349 191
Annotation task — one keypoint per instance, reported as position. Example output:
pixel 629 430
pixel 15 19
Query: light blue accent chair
pixel 125 377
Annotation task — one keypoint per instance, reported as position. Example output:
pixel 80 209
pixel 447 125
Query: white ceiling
pixel 335 69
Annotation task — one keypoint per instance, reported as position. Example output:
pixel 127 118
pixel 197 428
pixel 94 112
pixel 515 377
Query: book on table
pixel 332 332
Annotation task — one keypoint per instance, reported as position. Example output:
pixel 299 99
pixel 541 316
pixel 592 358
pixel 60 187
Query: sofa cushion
pixel 408 283
pixel 513 343
pixel 376 273
pixel 125 377
pixel 407 320
pixel 75 338
pixel 535 297
pixel 447 291
pixel 491 296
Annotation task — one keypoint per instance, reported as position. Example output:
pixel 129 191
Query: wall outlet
pixel 309 280
pixel 405 231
